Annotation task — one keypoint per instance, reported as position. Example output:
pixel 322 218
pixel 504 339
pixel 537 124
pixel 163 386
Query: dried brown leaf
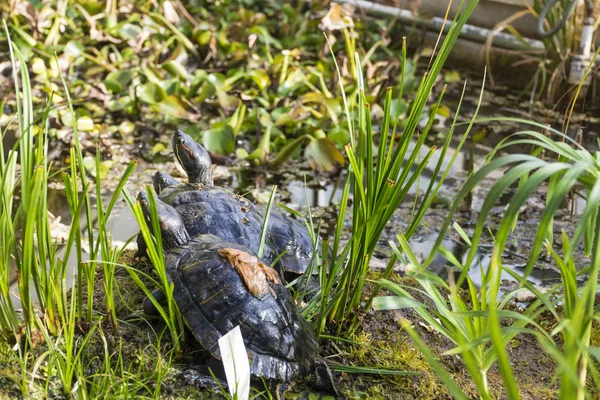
pixel 337 18
pixel 255 274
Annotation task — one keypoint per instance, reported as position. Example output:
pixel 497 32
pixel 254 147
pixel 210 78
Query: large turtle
pixel 207 209
pixel 219 285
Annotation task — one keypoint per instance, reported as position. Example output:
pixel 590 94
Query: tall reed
pixel 51 311
pixel 566 165
pixel 380 182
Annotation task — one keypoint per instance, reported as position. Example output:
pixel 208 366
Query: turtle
pixel 286 236
pixel 207 209
pixel 218 285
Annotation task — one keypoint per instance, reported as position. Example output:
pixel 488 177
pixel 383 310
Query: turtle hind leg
pixel 322 379
pixel 201 378
pixel 149 307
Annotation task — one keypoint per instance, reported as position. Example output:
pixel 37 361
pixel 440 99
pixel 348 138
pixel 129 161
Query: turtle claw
pixel 162 180
pixel 201 380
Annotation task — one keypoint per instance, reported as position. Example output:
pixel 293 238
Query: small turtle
pixel 206 209
pixel 285 235
pixel 219 285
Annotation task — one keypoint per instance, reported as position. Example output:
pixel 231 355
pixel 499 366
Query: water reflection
pixel 121 224
pixel 481 263
pixel 319 196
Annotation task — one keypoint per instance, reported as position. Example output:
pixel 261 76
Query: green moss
pixel 10 371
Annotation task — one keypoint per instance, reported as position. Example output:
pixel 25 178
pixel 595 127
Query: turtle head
pixel 193 157
pixel 172 228
pixel 162 180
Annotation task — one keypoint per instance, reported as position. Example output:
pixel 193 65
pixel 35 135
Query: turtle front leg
pixel 162 180
pixel 201 377
pixel 279 389
pixel 322 379
pixel 142 249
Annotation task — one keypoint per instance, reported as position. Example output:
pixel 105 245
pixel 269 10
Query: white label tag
pixel 235 361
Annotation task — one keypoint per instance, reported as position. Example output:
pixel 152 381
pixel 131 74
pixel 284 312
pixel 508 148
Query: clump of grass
pixel 573 165
pixel 151 233
pixel 482 326
pixel 54 328
pixel 464 322
pixel 391 351
pixel 379 183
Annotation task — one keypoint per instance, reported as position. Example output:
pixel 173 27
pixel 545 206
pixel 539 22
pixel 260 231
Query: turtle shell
pixel 291 236
pixel 213 298
pixel 219 212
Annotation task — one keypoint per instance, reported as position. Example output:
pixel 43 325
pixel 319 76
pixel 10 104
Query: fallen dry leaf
pixel 269 272
pixel 337 18
pixel 255 274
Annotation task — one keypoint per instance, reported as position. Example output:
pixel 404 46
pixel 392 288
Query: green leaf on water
pixel 85 124
pixel 170 86
pixel 333 106
pixel 241 153
pixel 175 68
pixel 217 79
pixel 296 114
pixel 322 155
pixel 202 37
pixel 228 103
pixel 339 136
pixel 312 97
pixel 319 134
pixel 174 107
pixel 126 128
pixel 74 49
pixel 151 93
pixel 480 135
pixel 116 81
pixel 38 66
pixel 129 31
pixel 398 107
pixel 89 163
pixel 452 76
pixel 158 147
pixel 261 78
pixel 194 132
pixel 292 82
pixel 219 139
pixel 206 90
pixel 444 111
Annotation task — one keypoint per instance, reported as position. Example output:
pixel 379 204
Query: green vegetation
pixel 572 307
pixel 251 78
pixel 379 190
pixel 225 72
pixel 59 325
